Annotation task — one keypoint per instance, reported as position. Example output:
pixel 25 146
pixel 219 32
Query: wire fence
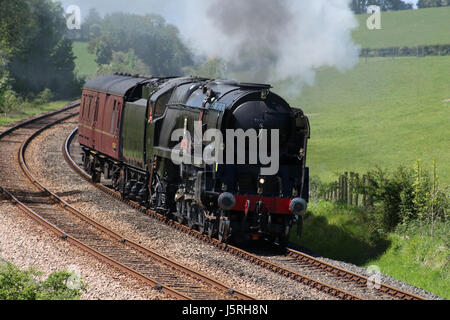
pixel 416 51
pixel 350 188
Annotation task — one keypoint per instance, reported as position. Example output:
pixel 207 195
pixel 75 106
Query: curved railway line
pixel 22 188
pixel 289 265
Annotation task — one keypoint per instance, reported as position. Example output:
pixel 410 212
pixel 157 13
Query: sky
pixel 169 9
pixel 172 10
pixel 270 40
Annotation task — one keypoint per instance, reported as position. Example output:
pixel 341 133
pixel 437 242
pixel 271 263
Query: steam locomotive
pixel 126 127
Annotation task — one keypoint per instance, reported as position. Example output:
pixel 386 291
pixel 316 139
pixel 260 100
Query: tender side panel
pixel 133 133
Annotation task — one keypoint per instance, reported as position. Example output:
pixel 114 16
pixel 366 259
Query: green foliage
pixel 400 196
pixel 376 114
pixel 213 68
pixel 91 25
pixel 420 255
pixel 406 195
pixel 419 51
pixel 360 6
pixel 343 232
pixel 14 22
pixel 84 61
pixel 156 43
pixel 124 62
pixel 27 109
pixel 44 97
pixel 318 188
pixel 417 252
pixel 40 56
pixel 16 284
pixel 9 101
pixel 103 52
pixel 12 102
pixel 57 287
pixel 432 3
pixel 408 28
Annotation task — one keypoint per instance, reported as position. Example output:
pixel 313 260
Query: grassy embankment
pixel 406 28
pixel 386 112
pixel 410 254
pixel 17 115
pixel 85 66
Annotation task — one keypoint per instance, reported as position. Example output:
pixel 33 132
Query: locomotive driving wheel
pixel 191 213
pixel 211 227
pixel 180 211
pixel 202 222
pixel 224 229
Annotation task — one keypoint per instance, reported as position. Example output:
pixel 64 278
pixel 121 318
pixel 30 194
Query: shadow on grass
pixel 338 242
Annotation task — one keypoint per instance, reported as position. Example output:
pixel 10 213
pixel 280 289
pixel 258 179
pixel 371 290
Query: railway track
pixel 289 272
pixel 362 281
pixel 292 264
pixel 24 190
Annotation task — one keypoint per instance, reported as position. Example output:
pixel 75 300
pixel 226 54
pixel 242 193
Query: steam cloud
pixel 276 40
pixel 264 40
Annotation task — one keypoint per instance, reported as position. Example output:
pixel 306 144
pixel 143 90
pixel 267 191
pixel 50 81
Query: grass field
pixel 384 112
pixel 29 112
pixel 406 28
pixel 411 254
pixel 85 64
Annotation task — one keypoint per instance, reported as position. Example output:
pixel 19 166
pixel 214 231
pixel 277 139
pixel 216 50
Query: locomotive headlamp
pixel 298 206
pixel 226 201
pixel 262 181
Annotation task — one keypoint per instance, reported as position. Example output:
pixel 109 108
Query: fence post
pixel 350 189
pixel 346 187
pixel 335 189
pixel 357 191
pixel 364 191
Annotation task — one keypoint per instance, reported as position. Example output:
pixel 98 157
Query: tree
pixel 14 24
pixel 42 56
pixel 103 52
pixel 91 25
pixel 432 3
pixel 156 43
pixel 360 6
pixel 124 62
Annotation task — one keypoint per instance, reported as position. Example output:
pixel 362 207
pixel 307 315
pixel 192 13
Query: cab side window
pixel 161 104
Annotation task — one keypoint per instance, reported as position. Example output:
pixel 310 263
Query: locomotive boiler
pixel 126 131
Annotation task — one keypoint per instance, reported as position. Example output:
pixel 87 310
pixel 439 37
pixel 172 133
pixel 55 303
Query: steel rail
pixel 166 289
pixel 348 275
pixel 326 288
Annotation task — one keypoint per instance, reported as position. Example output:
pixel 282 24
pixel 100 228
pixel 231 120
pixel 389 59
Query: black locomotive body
pixel 126 132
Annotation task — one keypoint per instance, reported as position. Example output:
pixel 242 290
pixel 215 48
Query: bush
pixel 407 194
pixel 421 51
pixel 400 196
pixel 9 101
pixel 16 284
pixel 318 189
pixel 44 97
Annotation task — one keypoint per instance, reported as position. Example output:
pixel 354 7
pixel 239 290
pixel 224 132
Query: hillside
pixel 384 112
pixel 406 28
pixel 85 64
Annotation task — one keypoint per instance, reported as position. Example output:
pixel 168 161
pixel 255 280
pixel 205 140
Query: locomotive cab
pixel 267 204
